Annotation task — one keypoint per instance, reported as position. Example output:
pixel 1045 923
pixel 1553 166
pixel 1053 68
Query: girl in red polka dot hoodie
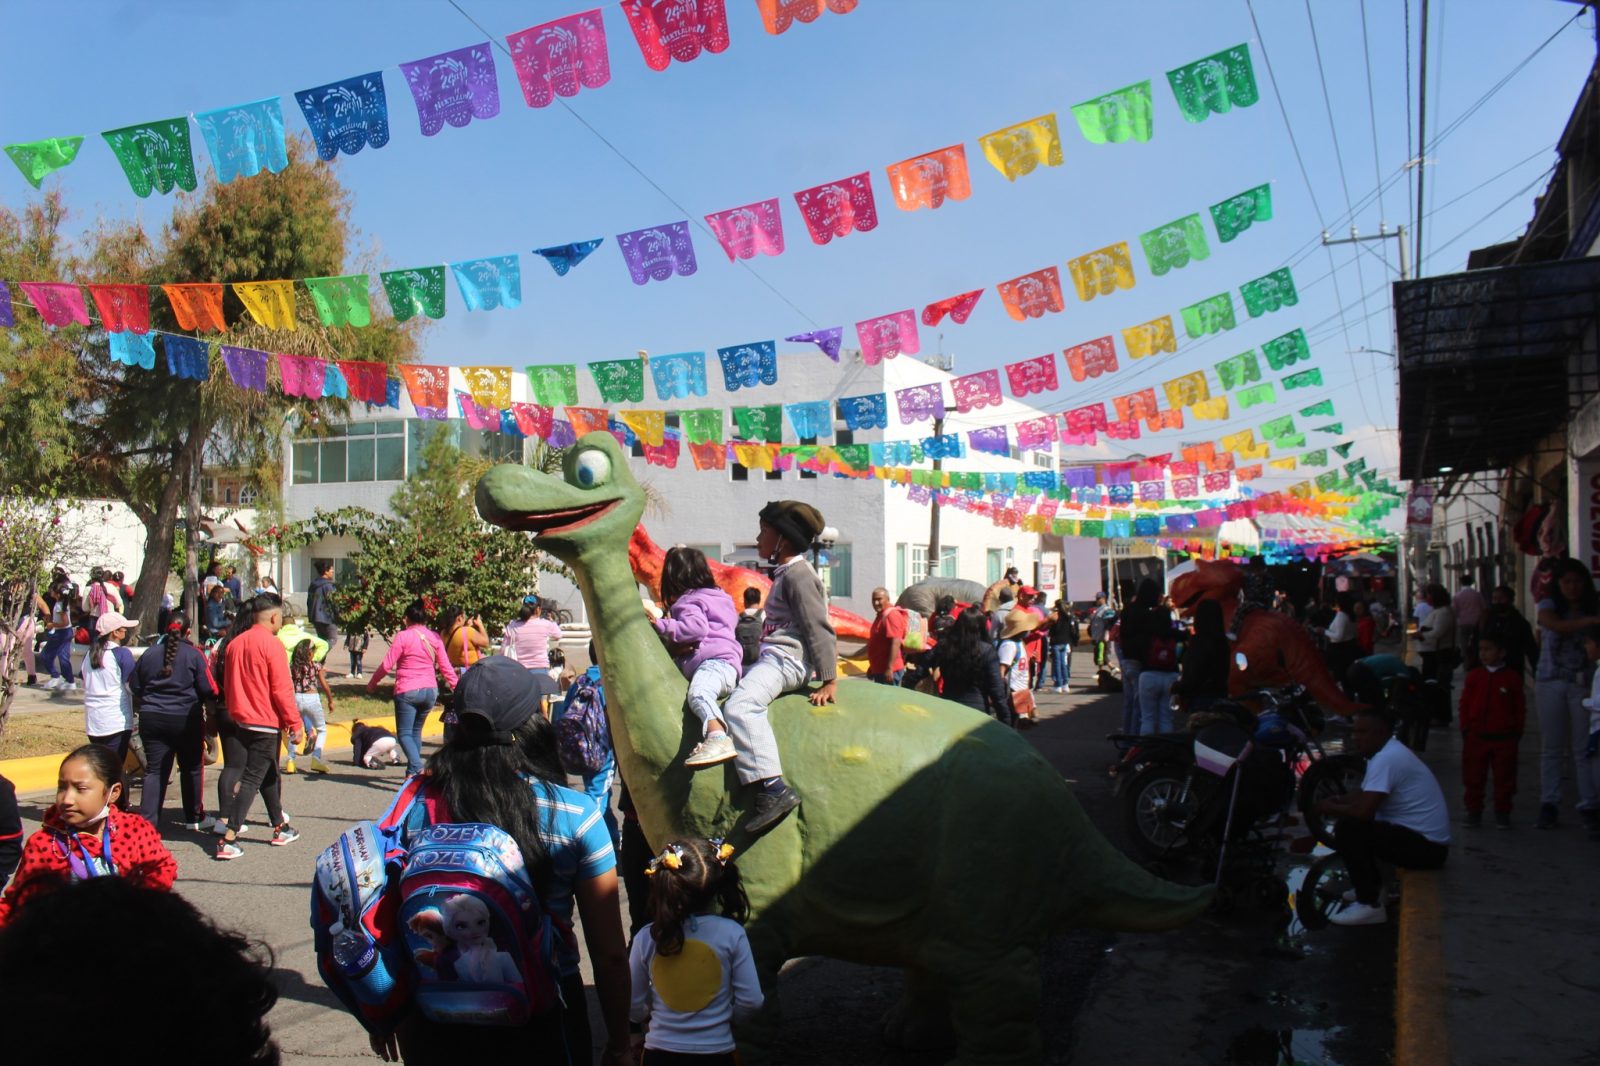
pixel 85 835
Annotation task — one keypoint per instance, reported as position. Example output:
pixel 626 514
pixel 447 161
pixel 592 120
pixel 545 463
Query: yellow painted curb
pixel 37 773
pixel 1421 1029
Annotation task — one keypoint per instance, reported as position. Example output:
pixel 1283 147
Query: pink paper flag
pixel 887 336
pixel 477 415
pixel 1092 358
pixel 1035 433
pixel 558 58
pixel 959 308
pixel 1086 419
pixel 302 375
pixel 676 29
pixel 837 208
pixel 58 303
pixel 1031 295
pixel 1220 481
pixel 123 308
pixel 977 390
pixel 747 231
pixel 1033 375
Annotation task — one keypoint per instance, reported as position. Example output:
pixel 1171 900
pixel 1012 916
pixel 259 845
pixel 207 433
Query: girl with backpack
pixel 699 630
pixel 501 768
pixel 693 971
pixel 417 659
pixel 172 685
pixel 84 834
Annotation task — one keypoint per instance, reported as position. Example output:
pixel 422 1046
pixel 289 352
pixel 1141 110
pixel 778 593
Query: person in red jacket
pixel 1493 710
pixel 260 700
pixel 84 835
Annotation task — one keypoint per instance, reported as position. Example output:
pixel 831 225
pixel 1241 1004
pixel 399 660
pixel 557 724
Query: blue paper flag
pixel 187 357
pixel 347 116
pixel 811 420
pixel 333 382
pixel 508 425
pixel 944 446
pixel 489 283
pixel 749 365
pixel 563 257
pixel 134 349
pixel 865 412
pixel 826 339
pixel 6 318
pixel 680 375
pixel 245 138
pixel 392 397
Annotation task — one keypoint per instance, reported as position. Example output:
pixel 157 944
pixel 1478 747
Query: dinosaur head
pixel 1207 581
pixel 594 506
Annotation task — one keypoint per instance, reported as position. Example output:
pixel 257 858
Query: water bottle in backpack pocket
pixel 482 943
pixel 355 929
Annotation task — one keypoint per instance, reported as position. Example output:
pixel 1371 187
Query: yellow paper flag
pixel 650 426
pixel 1153 336
pixel 270 303
pixel 1020 149
pixel 490 386
pixel 1103 272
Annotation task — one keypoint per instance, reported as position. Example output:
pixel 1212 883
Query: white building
pixel 883 536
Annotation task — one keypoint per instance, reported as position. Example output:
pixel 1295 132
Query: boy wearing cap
pixel 797 642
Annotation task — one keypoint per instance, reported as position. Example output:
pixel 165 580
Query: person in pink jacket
pixel 699 631
pixel 528 639
pixel 417 660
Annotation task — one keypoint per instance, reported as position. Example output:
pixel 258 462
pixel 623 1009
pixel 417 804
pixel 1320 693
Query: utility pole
pixel 933 508
pixel 1384 233
pixel 1422 126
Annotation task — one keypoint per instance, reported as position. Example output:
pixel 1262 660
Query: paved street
pixel 1205 994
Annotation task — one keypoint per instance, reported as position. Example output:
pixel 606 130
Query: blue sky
pixel 773 115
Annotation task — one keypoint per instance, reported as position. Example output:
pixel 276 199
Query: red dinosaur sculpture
pixel 1278 648
pixel 645 555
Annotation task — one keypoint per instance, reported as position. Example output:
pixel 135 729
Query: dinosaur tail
pixel 1107 890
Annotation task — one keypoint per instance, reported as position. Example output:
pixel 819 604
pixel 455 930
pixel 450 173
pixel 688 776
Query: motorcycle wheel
pixel 1321 894
pixel 1333 776
pixel 1157 813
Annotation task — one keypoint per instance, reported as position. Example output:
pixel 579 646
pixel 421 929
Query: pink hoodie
pixel 413 658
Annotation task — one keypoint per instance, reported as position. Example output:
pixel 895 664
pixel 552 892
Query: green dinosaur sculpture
pixel 929 837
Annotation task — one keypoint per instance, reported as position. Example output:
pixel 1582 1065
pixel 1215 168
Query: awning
pixel 1484 370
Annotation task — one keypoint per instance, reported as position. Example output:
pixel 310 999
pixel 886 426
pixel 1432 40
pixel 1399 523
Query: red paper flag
pixel 672 29
pixel 747 231
pixel 710 455
pixel 839 207
pixel 1086 419
pixel 959 308
pixel 123 307
pixel 368 382
pixel 1033 375
pixel 532 419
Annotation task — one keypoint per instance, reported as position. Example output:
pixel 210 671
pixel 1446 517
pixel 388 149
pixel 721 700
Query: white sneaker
pixel 208 825
pixel 220 828
pixel 55 683
pixel 76 686
pixel 1348 896
pixel 1360 914
pixel 718 747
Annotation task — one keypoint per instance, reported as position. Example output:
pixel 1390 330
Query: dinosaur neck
pixel 644 689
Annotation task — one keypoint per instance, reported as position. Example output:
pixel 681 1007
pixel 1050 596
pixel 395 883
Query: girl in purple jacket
pixel 698 630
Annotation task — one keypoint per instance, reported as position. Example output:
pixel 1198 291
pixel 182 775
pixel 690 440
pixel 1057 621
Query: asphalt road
pixel 1230 989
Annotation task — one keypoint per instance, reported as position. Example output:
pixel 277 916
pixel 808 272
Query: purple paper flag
pixel 561 434
pixel 992 439
pixel 658 252
pixel 454 87
pixel 433 414
pixel 6 317
pixel 246 366
pixel 920 402
pixel 826 339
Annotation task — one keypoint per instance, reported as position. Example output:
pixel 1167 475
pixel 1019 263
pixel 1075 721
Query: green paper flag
pixel 1217 83
pixel 619 380
pixel 1304 379
pixel 702 425
pixel 418 291
pixel 1235 214
pixel 1175 245
pixel 1327 481
pixel 1316 458
pixel 1124 115
pixel 1286 350
pixel 760 423
pixel 554 386
pixel 1369 478
pixel 1256 395
pixel 1324 407
pixel 1344 449
pixel 1334 428
pixel 1270 292
pixel 1092 527
pixel 855 456
pixel 1239 370
pixel 155 155
pixel 1355 467
pixel 1292 440
pixel 341 301
pixel 1211 315
pixel 1278 428
pixel 36 159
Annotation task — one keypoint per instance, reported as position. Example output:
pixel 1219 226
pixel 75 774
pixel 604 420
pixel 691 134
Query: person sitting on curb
pixel 1399 816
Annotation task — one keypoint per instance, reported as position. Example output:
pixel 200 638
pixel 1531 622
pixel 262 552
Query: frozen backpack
pixel 481 944
pixel 583 737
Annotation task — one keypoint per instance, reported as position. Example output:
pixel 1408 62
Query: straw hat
pixel 1019 622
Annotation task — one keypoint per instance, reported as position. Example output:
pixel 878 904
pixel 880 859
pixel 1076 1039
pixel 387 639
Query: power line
pixel 1372 120
pixel 1284 111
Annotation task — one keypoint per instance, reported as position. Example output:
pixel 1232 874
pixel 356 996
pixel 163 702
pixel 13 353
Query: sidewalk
pixel 1518 915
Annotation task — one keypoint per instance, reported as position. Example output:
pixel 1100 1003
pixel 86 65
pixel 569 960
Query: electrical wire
pixel 1372 120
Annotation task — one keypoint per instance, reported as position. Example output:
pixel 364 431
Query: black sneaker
pixel 768 808
pixel 1473 820
pixel 1547 816
pixel 1502 819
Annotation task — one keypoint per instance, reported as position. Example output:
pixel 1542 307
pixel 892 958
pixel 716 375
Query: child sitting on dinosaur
pixel 797 642
pixel 699 630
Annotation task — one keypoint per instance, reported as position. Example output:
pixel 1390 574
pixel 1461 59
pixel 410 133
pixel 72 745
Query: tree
pixel 436 549
pixel 142 436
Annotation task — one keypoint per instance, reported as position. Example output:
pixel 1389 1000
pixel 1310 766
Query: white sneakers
pixel 209 825
pixel 1360 914
pixel 718 747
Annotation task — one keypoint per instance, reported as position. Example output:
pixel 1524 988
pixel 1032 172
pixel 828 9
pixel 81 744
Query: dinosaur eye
pixel 592 469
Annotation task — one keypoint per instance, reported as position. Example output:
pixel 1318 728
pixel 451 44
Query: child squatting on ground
pixel 693 972
pixel 699 631
pixel 798 641
pixel 1493 711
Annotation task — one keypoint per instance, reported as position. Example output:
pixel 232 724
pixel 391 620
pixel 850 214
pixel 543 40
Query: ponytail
pixel 685 879
pixel 97 649
pixel 177 628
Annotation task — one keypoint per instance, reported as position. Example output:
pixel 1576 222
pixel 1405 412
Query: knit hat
pixel 797 522
pixel 495 697
pixel 1019 622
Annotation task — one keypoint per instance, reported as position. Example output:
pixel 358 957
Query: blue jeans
pixel 891 678
pixel 1155 701
pixel 410 715
pixel 1060 663
pixel 58 652
pixel 1131 669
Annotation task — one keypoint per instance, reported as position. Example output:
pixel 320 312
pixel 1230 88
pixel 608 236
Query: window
pixel 359 451
pixel 333 461
pixel 839 570
pixel 994 564
pixel 359 459
pixel 247 496
pixel 844 436
pixel 305 462
pixel 227 494
pixel 948 561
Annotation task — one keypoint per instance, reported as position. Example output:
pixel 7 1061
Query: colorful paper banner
pixel 1236 214
pixel 347 116
pixel 778 15
pixel 658 252
pixel 748 231
pixel 418 291
pixel 341 301
pixel 928 180
pixel 1031 295
pixel 554 385
pixel 1269 292
pixel 679 376
pixel 838 208
pixel 1124 115
pixel 676 30
pixel 1211 315
pixel 245 139
pixel 155 155
pixel 270 303
pixel 1028 376
pixel 1175 244
pixel 1218 83
pixel 453 87
pixel 1020 149
pixel 749 365
pixel 558 58
pixel 887 336
pixel 959 308
pixel 38 159
pixel 1150 337
pixel 563 257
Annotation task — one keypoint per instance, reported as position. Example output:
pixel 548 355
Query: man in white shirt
pixel 1399 816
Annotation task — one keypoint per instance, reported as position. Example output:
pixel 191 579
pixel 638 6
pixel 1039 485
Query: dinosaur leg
pixel 994 1001
pixel 759 1036
pixel 920 1021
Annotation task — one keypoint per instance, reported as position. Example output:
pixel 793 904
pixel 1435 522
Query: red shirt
pixel 883 641
pixel 136 852
pixel 1492 701
pixel 256 682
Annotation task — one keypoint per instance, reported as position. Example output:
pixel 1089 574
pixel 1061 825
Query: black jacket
pixel 319 601
pixel 976 683
pixel 10 830
pixel 1204 668
pixel 182 693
